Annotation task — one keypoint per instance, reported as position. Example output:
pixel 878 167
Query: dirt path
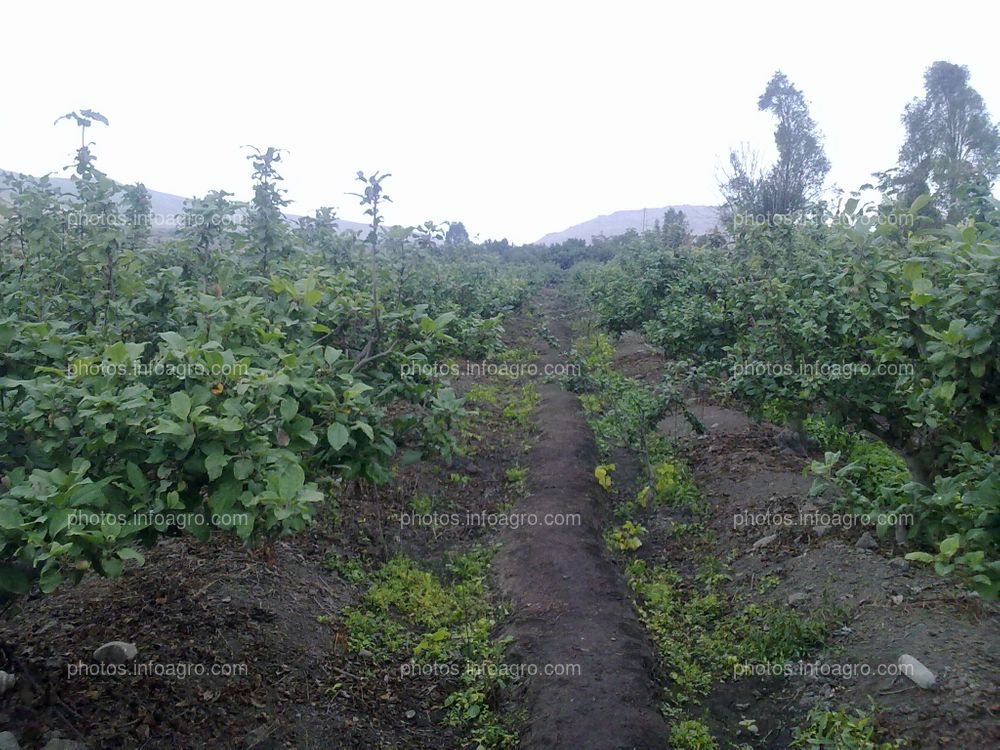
pixel 570 603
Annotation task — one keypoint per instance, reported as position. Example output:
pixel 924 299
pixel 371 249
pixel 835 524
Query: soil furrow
pixel 570 602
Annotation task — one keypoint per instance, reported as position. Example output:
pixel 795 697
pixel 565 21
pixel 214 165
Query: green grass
pixel 412 614
pixel 517 476
pixel 838 730
pixel 701 634
pixel 691 734
pixel 882 472
pixel 521 405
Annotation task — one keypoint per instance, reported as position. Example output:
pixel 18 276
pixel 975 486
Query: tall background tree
pixel 457 233
pixel 796 178
pixel 675 229
pixel 268 232
pixel 952 147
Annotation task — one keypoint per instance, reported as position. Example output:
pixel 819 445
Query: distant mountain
pixel 701 219
pixel 166 206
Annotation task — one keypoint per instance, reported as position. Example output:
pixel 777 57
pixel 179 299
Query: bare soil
pixel 890 606
pixel 569 599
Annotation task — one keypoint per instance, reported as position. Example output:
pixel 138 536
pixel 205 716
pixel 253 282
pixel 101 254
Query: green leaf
pixel 180 404
pixel 337 436
pixel 291 482
pixel 913 270
pixel 214 359
pixel 950 545
pixel 986 439
pixel 308 495
pixel 200 530
pixel 167 427
pixel 50 578
pixel 214 464
pixel 922 291
pixel 244 525
pixel 136 478
pixel 230 424
pixel 289 408
pixel 410 457
pixel 945 391
pixel 175 340
pixel 365 428
pixel 943 569
pixel 111 567
pixel 356 390
pixel 242 468
pixel 443 320
pixel 224 498
pixel 972 559
pixel 59 520
pixel 128 553
pixel 117 353
pixel 14 580
pixel 923 557
pixel 10 517
pixel 919 202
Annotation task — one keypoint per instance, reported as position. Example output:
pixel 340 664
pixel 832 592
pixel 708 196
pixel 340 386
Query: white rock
pixel 866 541
pixel 116 652
pixel 59 743
pixel 916 671
pixel 7 681
pixel 901 533
pixel 8 741
pixel 764 541
pixel 799 597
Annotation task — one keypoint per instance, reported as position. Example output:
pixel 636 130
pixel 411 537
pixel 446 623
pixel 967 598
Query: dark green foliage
pixel 148 387
pixel 952 146
pixel 795 180
pixel 888 329
pixel 457 234
pixel 268 232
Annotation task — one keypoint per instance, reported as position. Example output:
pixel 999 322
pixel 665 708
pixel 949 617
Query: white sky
pixel 518 118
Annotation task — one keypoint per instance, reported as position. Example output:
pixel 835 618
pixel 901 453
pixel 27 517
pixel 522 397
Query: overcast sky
pixel 518 118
